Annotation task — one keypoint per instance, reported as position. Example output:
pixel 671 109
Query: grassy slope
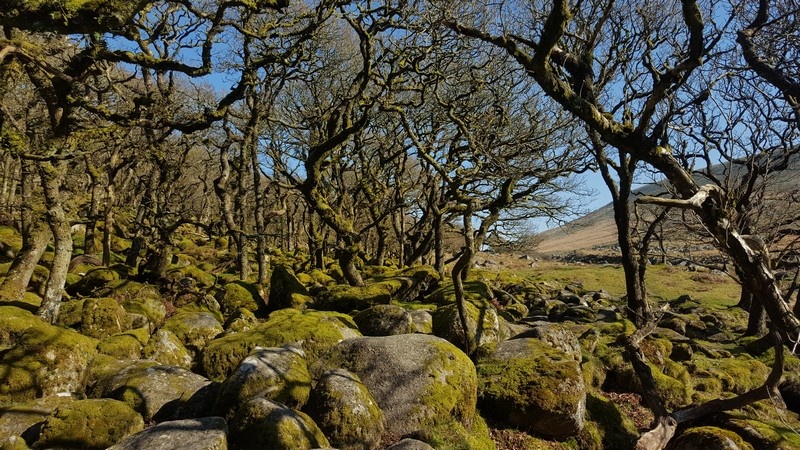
pixel 663 282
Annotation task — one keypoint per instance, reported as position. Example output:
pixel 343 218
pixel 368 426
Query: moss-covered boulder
pixel 384 320
pixel 90 424
pixel 532 385
pixel 93 281
pixel 286 291
pixel 194 328
pixel 321 278
pixel 103 317
pixel 205 433
pixel 157 392
pixel 126 345
pixel 450 434
pixel 483 325
pixel 165 348
pixel 188 277
pixel 13 443
pixel 25 419
pixel 345 411
pixel 418 380
pixel 240 320
pixel 70 314
pixel 474 291
pixel 410 444
pixel 315 331
pixel 344 298
pixel 262 423
pixel 422 321
pixel 557 336
pixel 152 308
pixel 240 294
pixel 709 438
pixel 423 280
pixel 39 359
pixel 279 374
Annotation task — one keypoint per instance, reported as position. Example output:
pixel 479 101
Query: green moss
pixel 70 313
pixel 90 424
pixel 93 282
pixel 770 427
pixel 449 434
pixel 13 443
pixel 241 320
pixel 734 375
pixel 457 396
pixel 474 291
pixel 606 425
pixel 103 317
pixel 482 324
pixel 149 306
pixel 319 277
pixel 286 291
pixel 261 423
pixel 675 393
pixel 126 345
pixel 345 410
pixel 203 279
pixel 39 359
pixel 194 329
pixel 530 384
pixel 711 438
pixel 345 298
pixel 166 348
pixel 317 332
pixel 11 238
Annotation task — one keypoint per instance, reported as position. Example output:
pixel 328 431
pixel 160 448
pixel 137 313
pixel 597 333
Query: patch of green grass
pixel 663 282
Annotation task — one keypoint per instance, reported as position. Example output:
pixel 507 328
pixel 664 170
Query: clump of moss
pixel 166 348
pixel 344 298
pixel 90 424
pixel 345 411
pixel 483 325
pixel 321 278
pixel 70 313
pixel 103 317
pixel 286 291
pixel 240 294
pixel 194 329
pixel 11 238
pixel 527 383
pixel 39 358
pixel 711 438
pixel 93 281
pixel 606 425
pixel 712 377
pixel 316 331
pixel 474 291
pixel 202 278
pixel 450 434
pixel 126 345
pixel 262 423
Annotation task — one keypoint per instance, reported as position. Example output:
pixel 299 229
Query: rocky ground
pixel 200 360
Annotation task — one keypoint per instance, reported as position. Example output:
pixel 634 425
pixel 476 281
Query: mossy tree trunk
pixel 24 263
pixel 52 176
pixel 459 274
pixel 235 231
pixel 89 244
pixel 108 222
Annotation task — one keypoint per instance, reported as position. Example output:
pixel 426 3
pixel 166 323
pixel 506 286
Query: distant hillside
pixel 592 230
pixel 598 229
